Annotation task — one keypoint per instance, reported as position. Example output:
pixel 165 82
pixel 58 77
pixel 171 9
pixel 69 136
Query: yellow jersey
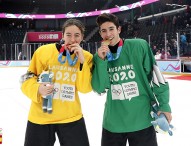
pixel 67 80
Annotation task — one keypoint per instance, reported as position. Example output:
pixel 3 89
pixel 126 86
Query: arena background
pixel 161 23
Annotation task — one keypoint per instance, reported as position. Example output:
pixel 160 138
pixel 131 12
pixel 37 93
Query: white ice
pixel 14 107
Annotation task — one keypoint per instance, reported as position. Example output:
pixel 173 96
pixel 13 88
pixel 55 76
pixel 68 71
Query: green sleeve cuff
pixel 165 108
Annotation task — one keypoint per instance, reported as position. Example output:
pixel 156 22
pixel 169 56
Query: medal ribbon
pixel 110 55
pixel 70 61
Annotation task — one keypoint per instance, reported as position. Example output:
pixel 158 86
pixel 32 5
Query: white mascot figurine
pixel 46 77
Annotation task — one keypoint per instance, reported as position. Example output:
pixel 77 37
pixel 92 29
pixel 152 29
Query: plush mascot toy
pixel 160 123
pixel 46 77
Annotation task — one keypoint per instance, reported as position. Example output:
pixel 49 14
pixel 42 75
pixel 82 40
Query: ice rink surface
pixel 14 108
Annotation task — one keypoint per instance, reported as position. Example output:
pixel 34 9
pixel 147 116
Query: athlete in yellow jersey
pixel 71 66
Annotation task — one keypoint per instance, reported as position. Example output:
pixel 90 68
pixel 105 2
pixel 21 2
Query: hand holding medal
pixel 104 49
pixel 77 50
pixel 106 42
pixel 110 55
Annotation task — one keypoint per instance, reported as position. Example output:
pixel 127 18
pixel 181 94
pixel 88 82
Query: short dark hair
pixel 75 22
pixel 107 17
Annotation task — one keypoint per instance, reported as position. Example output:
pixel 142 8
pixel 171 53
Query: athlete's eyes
pixel 103 30
pixel 68 35
pixel 77 35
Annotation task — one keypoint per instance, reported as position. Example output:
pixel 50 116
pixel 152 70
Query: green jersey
pixel 133 81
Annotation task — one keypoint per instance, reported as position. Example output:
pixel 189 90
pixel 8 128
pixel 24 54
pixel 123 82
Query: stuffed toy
pixel 46 77
pixel 160 123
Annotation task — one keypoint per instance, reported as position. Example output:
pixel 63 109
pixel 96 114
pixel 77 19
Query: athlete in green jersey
pixel 127 71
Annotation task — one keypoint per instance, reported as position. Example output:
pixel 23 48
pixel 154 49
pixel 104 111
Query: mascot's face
pixel 44 77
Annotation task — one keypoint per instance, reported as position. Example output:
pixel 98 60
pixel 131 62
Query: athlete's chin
pixel 113 43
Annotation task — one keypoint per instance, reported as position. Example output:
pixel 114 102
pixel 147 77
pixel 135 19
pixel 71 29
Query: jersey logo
pixel 124 91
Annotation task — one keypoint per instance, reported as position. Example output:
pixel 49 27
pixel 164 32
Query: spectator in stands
pixel 179 22
pixel 174 48
pixel 189 22
pixel 168 55
pixel 20 56
pixel 163 54
pixel 135 19
pixel 165 20
pixel 125 21
pixel 153 20
pixel 188 9
pixel 1 55
pixel 183 42
pixel 130 30
pixel 161 19
pixel 187 33
pixel 125 68
pixel 71 66
pixel 154 49
pixel 168 44
pixel 158 55
pixel 174 20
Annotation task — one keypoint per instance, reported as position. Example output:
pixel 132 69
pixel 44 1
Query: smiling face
pixel 109 31
pixel 72 34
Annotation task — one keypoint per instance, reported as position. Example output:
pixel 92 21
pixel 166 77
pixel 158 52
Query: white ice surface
pixel 14 107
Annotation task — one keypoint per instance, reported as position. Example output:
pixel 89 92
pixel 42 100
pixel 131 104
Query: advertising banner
pixel 77 15
pixel 14 63
pixel 44 36
pixel 170 66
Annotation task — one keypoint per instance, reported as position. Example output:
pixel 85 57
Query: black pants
pixel 145 137
pixel 69 134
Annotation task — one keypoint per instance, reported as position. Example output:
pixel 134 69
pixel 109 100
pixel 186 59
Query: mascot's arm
pixel 83 82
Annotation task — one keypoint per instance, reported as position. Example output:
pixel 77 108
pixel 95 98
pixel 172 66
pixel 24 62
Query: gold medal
pixel 106 42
